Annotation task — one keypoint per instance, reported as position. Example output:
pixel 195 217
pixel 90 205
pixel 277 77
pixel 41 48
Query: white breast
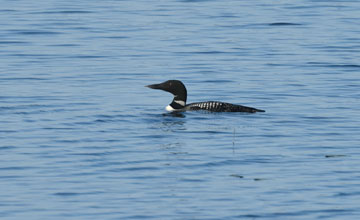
pixel 169 108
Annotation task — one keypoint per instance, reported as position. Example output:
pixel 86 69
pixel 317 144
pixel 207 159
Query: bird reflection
pixel 174 114
pixel 173 121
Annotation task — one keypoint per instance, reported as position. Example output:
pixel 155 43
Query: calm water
pixel 82 138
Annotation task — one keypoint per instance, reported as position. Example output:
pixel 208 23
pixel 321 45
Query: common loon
pixel 177 88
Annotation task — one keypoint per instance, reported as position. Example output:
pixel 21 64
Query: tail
pixel 259 110
pixel 241 108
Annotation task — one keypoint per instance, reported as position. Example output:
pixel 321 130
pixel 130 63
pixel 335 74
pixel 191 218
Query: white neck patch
pixel 182 103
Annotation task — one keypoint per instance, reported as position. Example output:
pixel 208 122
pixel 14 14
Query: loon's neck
pixel 179 101
pixel 176 105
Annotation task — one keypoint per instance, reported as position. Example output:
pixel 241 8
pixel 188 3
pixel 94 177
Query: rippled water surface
pixel 82 138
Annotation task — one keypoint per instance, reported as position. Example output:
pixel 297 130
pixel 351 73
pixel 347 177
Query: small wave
pixel 334 65
pixel 40 32
pixel 63 12
pixel 283 24
pixel 13 42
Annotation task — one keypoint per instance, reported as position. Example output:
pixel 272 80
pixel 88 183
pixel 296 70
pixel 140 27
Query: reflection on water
pixel 174 121
pixel 174 114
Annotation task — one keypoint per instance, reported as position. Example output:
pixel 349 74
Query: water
pixel 82 138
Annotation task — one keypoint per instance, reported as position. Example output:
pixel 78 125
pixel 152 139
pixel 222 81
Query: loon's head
pixel 175 87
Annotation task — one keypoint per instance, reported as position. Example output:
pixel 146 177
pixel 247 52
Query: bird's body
pixel 177 88
pixel 216 106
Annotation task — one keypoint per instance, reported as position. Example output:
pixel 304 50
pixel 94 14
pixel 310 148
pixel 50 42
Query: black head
pixel 175 87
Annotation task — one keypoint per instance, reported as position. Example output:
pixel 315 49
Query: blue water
pixel 82 138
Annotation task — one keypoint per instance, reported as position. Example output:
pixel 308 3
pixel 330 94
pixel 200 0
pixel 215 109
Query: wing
pixel 215 106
